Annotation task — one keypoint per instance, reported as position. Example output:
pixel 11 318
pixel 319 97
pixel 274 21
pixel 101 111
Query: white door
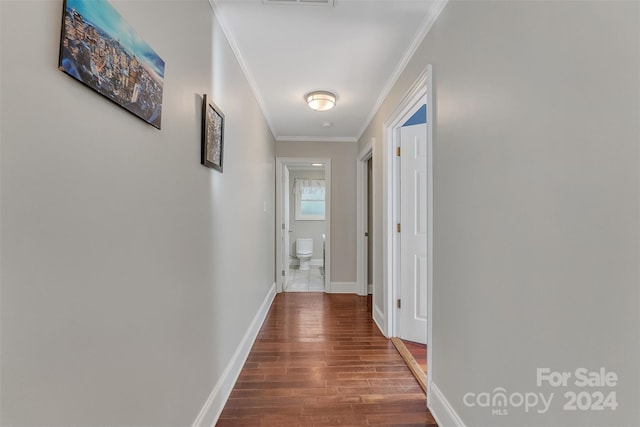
pixel 286 245
pixel 413 235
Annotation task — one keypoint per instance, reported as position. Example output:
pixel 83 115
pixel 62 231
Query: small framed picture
pixel 212 134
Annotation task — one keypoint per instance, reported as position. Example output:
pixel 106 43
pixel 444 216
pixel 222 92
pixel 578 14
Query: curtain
pixel 310 189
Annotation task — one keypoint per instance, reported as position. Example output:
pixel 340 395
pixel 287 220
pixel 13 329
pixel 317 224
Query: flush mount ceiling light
pixel 302 2
pixel 320 100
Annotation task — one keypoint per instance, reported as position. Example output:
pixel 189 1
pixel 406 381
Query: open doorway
pixel 408 218
pixel 365 220
pixel 410 240
pixel 303 224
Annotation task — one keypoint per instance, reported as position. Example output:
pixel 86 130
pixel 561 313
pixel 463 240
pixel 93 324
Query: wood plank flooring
pixel 319 360
pixel 419 353
pixel 410 360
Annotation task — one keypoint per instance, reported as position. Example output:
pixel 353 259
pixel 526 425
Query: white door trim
pixel 361 221
pixel 280 161
pixel 421 87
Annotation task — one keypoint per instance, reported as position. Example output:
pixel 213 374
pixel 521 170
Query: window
pixel 309 195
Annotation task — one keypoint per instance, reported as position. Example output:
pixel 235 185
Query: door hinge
pixel 398 152
pixel 399 303
pixel 282 273
pixel 398 228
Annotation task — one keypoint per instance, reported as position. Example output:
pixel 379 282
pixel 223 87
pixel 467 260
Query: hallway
pixel 319 360
pixel 135 280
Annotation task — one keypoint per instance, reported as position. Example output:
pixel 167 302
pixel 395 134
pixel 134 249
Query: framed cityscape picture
pixel 212 135
pixel 98 48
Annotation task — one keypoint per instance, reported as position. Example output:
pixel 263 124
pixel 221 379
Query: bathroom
pixel 306 228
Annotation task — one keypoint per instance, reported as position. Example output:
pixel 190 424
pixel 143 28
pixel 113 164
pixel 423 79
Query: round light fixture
pixel 320 100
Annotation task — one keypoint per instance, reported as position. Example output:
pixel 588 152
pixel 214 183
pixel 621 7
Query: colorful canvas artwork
pixel 101 50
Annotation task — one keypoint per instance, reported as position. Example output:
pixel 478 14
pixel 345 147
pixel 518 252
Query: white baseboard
pixel 378 319
pixel 343 288
pixel 441 409
pixel 214 405
pixel 316 262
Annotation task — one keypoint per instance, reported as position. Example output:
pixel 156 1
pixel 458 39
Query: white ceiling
pixel 356 49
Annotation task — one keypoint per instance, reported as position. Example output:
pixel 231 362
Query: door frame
pixel 362 204
pixel 280 162
pixel 421 88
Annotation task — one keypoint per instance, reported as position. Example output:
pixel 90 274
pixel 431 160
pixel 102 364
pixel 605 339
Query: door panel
pixel 420 300
pixel 413 238
pixel 420 204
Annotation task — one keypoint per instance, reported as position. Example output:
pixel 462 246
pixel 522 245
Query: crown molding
pixel 430 19
pixel 243 65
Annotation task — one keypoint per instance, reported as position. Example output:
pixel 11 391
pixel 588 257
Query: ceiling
pixel 354 48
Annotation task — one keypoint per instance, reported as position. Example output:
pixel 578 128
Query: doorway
pixel 411 215
pixel 303 217
pixel 365 220
pixel 407 171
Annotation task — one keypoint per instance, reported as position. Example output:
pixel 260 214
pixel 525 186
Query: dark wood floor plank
pixel 319 360
pixel 419 353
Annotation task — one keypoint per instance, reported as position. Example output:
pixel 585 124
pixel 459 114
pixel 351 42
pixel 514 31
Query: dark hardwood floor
pixel 319 360
pixel 416 369
pixel 419 353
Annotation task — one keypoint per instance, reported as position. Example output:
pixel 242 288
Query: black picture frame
pixel 102 51
pixel 212 153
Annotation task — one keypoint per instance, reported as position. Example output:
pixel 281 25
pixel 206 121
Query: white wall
pixel 124 282
pixel 536 201
pixel 304 229
pixel 343 200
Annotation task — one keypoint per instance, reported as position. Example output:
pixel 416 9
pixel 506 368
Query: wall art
pixel 98 48
pixel 212 135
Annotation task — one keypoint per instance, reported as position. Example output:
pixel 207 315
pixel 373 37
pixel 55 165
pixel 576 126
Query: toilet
pixel 304 250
